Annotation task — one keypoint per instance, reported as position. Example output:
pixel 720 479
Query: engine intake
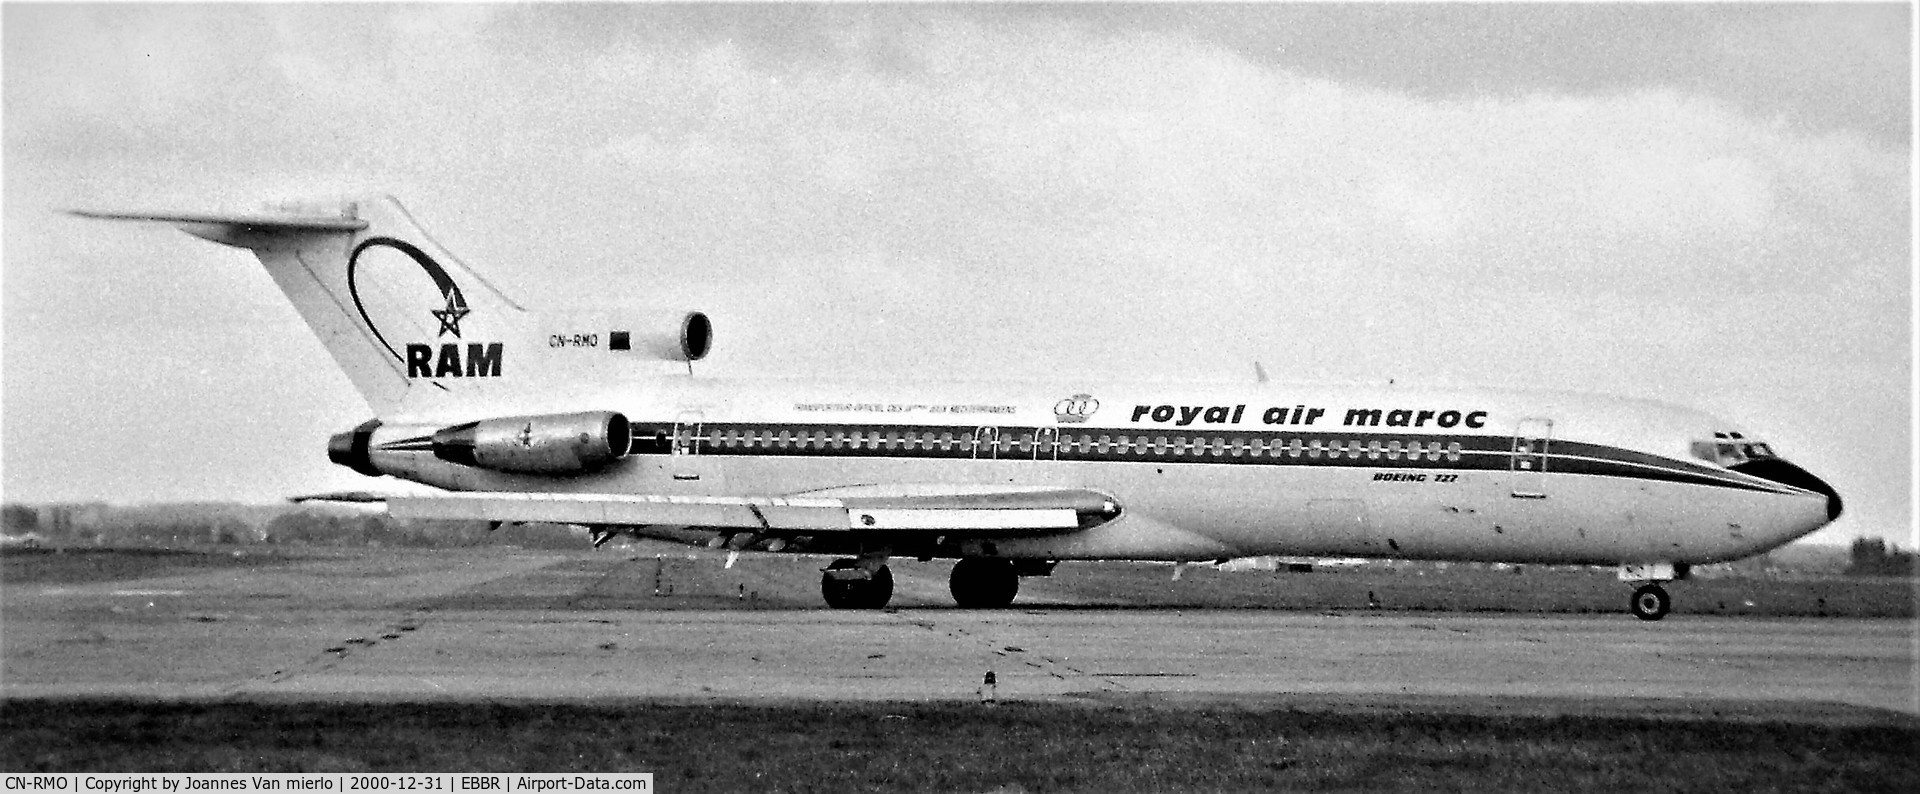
pixel 690 338
pixel 544 444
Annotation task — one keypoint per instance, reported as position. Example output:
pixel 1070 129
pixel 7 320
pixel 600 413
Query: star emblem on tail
pixel 451 316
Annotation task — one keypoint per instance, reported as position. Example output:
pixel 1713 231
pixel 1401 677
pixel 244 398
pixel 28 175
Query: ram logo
pixel 477 361
pixel 411 296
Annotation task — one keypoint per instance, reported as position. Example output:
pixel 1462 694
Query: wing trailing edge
pixel 1017 512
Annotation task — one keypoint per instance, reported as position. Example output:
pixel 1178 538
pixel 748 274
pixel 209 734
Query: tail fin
pixel 395 309
pixel 408 321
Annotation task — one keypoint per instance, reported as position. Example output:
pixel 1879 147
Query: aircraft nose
pixel 1786 473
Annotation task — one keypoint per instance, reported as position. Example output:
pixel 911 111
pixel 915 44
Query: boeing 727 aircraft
pixel 597 420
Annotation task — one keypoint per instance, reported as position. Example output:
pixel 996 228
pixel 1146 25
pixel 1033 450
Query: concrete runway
pixel 503 625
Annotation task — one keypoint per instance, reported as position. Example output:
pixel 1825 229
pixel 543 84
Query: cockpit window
pixel 1731 449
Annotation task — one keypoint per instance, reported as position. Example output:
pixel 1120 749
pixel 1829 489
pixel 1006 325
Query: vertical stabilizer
pixel 395 309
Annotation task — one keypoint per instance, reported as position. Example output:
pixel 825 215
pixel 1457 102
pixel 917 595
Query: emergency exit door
pixel 1529 466
pixel 688 434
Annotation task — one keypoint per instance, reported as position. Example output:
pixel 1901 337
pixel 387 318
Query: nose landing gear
pixel 1651 602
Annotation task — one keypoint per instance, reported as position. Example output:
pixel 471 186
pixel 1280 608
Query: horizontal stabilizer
pixel 351 497
pixel 253 221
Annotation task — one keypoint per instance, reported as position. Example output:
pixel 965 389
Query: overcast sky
pixel 1702 204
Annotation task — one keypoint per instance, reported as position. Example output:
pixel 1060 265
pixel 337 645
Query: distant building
pixel 1876 557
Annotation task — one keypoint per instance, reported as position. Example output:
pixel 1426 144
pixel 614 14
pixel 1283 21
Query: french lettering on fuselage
pixel 454 360
pixel 1185 415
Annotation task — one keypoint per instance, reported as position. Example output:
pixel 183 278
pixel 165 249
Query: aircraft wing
pixel 1004 512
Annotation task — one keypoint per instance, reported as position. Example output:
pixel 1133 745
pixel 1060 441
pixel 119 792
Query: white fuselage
pixel 1200 471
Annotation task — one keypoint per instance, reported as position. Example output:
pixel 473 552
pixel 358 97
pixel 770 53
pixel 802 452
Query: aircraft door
pixel 688 467
pixel 1529 464
pixel 1046 443
pixel 986 442
pixel 688 433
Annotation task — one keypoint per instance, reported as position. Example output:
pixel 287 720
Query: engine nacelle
pixel 646 335
pixel 546 444
pixel 691 341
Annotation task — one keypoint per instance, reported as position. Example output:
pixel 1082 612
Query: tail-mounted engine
pixel 547 444
pixel 693 339
pixel 652 336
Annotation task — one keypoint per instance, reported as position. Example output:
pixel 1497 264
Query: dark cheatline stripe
pixel 1493 453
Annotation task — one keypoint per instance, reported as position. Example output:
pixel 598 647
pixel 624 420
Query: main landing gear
pixel 977 582
pixel 983 583
pixel 857 584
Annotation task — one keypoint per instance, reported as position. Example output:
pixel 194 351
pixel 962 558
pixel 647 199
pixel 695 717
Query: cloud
pixel 1435 192
pixel 1024 150
pixel 1820 67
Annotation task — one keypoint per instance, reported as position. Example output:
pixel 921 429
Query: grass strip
pixel 1037 747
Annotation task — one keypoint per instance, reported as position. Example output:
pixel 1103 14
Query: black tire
pixel 878 590
pixel 1651 602
pixel 873 593
pixel 838 594
pixel 983 583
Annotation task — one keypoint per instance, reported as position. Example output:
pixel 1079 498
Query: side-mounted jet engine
pixel 544 444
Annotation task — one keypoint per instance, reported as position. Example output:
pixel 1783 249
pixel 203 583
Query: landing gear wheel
pixel 983 583
pixel 1651 602
pixel 870 593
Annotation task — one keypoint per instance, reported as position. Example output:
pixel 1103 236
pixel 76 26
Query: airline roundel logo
pixel 1075 409
pixel 415 309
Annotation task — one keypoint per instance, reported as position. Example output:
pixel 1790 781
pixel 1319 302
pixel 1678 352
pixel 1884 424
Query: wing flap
pixel 964 519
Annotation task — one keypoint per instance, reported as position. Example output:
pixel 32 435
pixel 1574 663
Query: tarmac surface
pixel 501 625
